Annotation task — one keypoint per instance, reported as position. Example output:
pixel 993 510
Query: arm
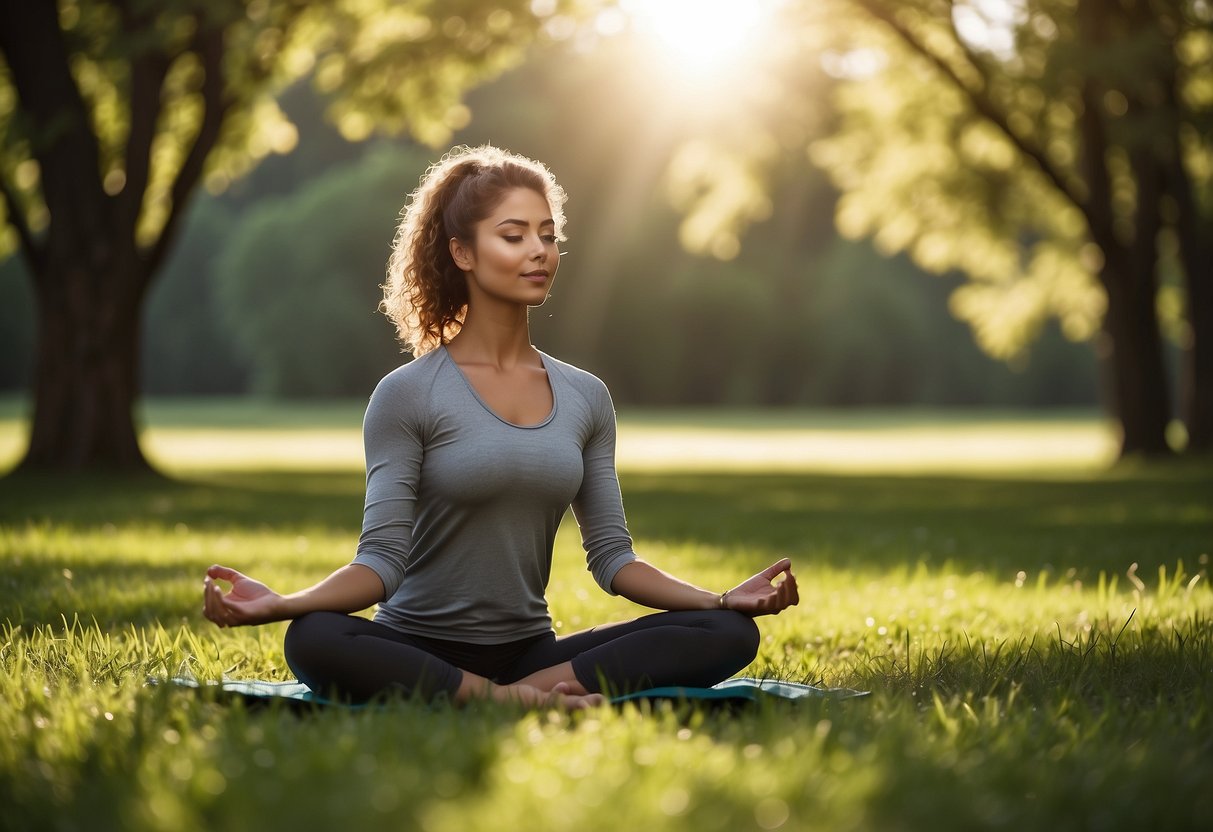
pixel 599 512
pixel 394 452
pixel 351 588
pixel 645 584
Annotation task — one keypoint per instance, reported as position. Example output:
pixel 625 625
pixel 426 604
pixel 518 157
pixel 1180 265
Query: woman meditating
pixel 474 450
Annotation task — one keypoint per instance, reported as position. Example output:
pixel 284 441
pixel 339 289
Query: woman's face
pixel 514 256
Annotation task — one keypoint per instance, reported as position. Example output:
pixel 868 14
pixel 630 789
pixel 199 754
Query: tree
pixel 1057 152
pixel 114 112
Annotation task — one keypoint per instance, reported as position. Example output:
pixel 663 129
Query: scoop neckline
pixel 547 368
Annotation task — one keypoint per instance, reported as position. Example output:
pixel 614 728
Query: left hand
pixel 760 596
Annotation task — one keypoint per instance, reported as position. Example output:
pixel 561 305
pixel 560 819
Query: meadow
pixel 1035 625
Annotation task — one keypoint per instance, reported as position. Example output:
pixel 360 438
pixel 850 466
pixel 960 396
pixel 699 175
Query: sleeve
pixel 598 505
pixel 391 433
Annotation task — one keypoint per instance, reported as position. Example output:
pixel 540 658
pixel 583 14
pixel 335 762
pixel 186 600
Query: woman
pixel 474 450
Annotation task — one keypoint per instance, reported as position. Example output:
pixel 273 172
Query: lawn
pixel 1035 626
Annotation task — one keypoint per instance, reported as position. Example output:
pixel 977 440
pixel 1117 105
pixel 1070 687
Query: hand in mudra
pixel 248 602
pixel 759 595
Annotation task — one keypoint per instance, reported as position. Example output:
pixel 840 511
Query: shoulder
pixel 416 376
pixel 584 382
pixel 407 389
pixel 591 389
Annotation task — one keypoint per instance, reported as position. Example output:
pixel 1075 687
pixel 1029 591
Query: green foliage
pixel 967 151
pixel 391 67
pixel 299 281
pixel 1024 673
pixel 185 348
pixel 922 173
pixel 796 317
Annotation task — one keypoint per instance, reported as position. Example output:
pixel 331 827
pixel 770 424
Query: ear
pixel 461 254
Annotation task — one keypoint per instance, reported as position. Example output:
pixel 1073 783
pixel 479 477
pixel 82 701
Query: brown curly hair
pixel 426 294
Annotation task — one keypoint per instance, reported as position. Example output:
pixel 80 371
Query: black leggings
pixel 356 659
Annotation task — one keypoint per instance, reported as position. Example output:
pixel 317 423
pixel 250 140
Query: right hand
pixel 248 602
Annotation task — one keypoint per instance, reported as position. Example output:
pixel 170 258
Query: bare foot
pixel 559 697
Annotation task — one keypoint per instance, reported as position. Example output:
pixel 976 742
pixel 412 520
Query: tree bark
pixel 1196 399
pixel 1137 382
pixel 1138 379
pixel 86 375
pixel 88 277
pixel 1196 255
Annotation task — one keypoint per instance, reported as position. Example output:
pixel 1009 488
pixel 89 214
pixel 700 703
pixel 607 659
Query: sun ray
pixel 700 36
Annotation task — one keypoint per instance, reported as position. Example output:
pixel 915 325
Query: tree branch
pixel 61 137
pixel 29 245
pixel 209 46
pixel 1094 142
pixel 147 73
pixel 969 54
pixel 980 102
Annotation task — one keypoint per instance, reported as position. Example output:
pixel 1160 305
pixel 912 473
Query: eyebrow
pixel 524 223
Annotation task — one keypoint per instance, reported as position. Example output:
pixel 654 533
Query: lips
pixel 536 275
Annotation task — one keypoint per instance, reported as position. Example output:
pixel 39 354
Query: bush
pixel 299 283
pixel 185 346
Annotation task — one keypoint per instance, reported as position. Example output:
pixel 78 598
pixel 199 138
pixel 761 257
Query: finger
pixel 214 604
pixel 785 596
pixel 208 601
pixel 223 573
pixel 222 610
pixel 791 592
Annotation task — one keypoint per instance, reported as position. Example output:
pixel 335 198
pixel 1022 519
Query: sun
pixel 700 35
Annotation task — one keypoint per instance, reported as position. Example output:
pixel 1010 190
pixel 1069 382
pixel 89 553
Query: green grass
pixel 1025 673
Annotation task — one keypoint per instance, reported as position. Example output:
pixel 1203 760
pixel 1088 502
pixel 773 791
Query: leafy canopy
pixel 955 135
pixel 160 66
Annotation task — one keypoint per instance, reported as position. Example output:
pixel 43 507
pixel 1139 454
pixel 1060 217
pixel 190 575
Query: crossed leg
pixel 690 648
pixel 357 659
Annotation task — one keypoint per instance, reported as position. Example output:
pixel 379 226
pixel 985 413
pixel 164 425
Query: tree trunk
pixel 1138 379
pixel 1196 254
pixel 1197 388
pixel 86 374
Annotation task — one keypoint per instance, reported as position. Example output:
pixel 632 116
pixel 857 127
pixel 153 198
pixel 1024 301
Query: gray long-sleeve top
pixel 462 507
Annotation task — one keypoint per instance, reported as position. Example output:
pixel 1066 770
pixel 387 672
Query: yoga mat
pixel 737 691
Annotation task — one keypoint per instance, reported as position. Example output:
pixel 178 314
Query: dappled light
pixel 910 293
pixel 995 618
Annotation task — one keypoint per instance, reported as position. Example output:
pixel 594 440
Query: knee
pixel 307 634
pixel 739 636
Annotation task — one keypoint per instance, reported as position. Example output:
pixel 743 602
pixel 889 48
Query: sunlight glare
pixel 700 35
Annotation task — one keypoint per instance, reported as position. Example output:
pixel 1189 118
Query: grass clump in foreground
pixel 1024 673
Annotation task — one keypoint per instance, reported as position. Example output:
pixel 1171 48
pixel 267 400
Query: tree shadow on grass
pixel 279 500
pixel 1153 519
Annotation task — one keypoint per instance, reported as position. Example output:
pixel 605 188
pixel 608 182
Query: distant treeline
pixel 273 287
pixel 278 298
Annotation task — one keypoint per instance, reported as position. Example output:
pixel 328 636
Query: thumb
pixel 773 571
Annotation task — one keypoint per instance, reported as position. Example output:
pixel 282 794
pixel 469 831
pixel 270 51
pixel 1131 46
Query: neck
pixel 500 337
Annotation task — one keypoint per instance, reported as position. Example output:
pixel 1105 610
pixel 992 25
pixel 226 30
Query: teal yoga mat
pixel 738 691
